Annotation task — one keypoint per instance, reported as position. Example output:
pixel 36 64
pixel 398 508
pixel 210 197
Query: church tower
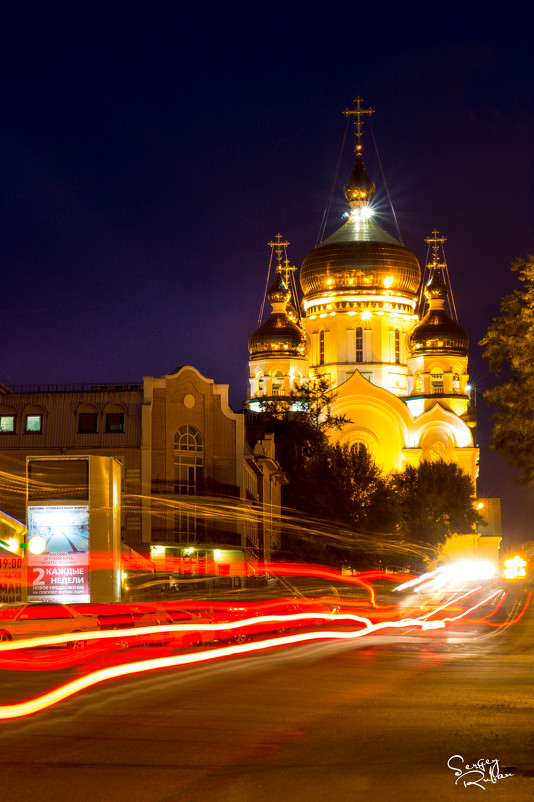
pixel 360 292
pixel 398 372
pixel 278 360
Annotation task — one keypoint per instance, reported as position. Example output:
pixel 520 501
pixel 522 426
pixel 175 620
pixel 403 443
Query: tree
pixel 435 500
pixel 341 484
pixel 509 349
pixel 300 422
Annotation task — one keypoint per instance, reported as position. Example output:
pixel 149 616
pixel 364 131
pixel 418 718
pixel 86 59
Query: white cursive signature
pixel 483 771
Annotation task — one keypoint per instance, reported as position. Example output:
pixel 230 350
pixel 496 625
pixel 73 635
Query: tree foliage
pixel 300 422
pixel 435 500
pixel 509 349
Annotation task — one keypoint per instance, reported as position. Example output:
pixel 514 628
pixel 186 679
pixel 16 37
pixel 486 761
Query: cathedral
pixel 395 357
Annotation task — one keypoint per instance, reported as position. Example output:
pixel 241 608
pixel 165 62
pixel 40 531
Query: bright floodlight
pixel 37 544
pixel 515 568
pixel 471 569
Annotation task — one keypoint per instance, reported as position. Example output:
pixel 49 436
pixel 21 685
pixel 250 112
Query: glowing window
pixel 34 423
pixel 397 347
pixel 321 347
pixel 7 423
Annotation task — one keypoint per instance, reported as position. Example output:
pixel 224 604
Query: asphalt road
pixel 376 721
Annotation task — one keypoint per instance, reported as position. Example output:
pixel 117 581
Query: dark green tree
pixel 341 484
pixel 300 422
pixel 435 500
pixel 509 349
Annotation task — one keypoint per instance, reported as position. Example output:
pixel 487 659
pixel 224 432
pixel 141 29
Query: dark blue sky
pixel 149 155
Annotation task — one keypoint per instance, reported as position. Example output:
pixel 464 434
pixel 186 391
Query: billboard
pixel 61 571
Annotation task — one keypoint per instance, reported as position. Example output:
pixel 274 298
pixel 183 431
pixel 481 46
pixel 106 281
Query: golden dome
pixel 437 333
pixel 360 256
pixel 278 336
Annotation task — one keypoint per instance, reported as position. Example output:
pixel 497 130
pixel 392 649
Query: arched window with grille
pixel 188 460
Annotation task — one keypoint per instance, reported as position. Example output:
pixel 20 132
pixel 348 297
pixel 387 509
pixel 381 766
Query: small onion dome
pixel 279 292
pixel 277 336
pixel 435 287
pixel 360 257
pixel 437 333
pixel 359 187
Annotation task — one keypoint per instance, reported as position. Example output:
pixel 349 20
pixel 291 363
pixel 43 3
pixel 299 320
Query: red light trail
pixel 366 627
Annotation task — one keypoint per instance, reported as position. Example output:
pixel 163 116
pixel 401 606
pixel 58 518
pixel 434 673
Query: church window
pixel 455 383
pixel 397 347
pixel 277 382
pixel 436 383
pixel 321 347
pixel 359 344
pixel 188 460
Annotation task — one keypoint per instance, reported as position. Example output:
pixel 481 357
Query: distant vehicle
pixel 38 619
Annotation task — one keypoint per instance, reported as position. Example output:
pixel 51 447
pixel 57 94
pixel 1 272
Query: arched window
pixel 436 381
pixel 188 460
pixel 397 347
pixel 359 344
pixel 321 347
pixel 359 448
pixel 277 384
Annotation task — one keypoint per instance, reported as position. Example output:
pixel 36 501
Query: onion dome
pixel 279 335
pixel 437 333
pixel 360 256
pixel 359 187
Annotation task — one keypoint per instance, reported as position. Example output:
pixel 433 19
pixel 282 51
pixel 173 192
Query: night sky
pixel 148 156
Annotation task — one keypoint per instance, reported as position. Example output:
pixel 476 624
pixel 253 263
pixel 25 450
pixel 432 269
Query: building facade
pixel 192 485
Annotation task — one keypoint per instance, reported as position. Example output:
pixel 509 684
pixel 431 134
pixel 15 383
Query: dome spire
pixel 359 189
pixel 437 332
pixel 436 290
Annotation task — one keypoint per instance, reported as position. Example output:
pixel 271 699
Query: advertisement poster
pixel 61 572
pixel 11 576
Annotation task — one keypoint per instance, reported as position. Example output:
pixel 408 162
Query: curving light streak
pixel 73 687
pixel 159 629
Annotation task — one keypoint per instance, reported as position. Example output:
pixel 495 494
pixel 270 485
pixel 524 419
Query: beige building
pixel 193 487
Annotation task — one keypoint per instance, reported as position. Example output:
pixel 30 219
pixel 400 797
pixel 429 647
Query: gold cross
pixel 436 240
pixel 358 123
pixel 279 246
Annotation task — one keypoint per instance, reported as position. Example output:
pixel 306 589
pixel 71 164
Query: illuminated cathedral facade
pixel 396 358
